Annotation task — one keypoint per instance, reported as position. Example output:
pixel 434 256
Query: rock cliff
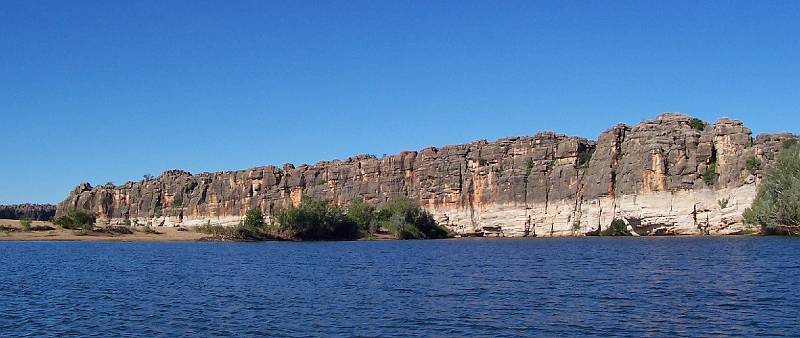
pixel 36 212
pixel 670 175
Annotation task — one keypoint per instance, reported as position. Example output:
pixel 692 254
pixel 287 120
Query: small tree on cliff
pixel 777 205
pixel 697 124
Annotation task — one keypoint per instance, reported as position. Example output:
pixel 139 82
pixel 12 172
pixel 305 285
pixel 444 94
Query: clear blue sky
pixel 111 90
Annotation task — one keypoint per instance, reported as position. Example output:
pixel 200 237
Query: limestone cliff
pixel 651 175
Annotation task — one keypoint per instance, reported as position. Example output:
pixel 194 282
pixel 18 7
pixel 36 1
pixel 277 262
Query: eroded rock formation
pixel 651 175
pixel 36 212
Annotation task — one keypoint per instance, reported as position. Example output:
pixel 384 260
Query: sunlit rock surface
pixel 650 175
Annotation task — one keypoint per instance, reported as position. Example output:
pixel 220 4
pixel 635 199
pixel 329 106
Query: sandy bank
pixel 11 232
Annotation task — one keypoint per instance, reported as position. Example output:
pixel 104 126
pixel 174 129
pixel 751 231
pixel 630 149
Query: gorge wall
pixel 35 212
pixel 670 175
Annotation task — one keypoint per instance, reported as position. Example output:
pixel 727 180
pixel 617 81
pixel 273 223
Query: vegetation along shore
pixel 674 175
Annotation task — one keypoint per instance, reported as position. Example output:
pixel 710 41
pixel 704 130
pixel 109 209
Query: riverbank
pixel 12 231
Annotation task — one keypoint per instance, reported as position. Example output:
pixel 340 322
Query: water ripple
pixel 682 287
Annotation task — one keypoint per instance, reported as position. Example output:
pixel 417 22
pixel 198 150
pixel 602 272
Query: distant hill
pixel 37 212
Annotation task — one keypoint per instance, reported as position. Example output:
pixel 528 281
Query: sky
pixel 108 91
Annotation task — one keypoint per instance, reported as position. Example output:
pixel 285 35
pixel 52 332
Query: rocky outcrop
pixel 36 212
pixel 671 175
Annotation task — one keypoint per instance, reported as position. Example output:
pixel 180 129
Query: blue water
pixel 698 286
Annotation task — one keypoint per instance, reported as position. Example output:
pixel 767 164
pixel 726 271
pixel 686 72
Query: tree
pixel 316 220
pixel 76 218
pixel 528 167
pixel 697 124
pixel 253 219
pixel 617 228
pixel 710 175
pixel 177 202
pixel 363 215
pixel 752 164
pixel 776 207
pixel 407 220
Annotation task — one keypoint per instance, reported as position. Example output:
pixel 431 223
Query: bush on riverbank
pixel 237 233
pixel 405 219
pixel 76 219
pixel 316 220
pixel 402 217
pixel 252 228
pixel 25 224
pixel 617 228
pixel 321 220
pixel 363 215
pixel 776 207
pixel 253 219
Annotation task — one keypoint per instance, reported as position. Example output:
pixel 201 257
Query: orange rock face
pixel 545 184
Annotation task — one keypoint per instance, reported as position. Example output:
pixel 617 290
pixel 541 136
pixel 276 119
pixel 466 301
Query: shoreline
pixel 174 236
pixel 177 234
pixel 63 235
pixel 163 234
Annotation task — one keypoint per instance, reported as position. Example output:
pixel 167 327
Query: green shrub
pixel 87 227
pixel 363 215
pixel 697 124
pixel 528 167
pixel 776 207
pixel 25 224
pixel 149 230
pixel 710 176
pixel 316 220
pixel 76 219
pixel 210 229
pixel 234 233
pixel 584 157
pixel 407 220
pixel 322 220
pixel 177 202
pixel 406 230
pixel 253 219
pixel 752 164
pixel 252 228
pixel 723 203
pixel 617 228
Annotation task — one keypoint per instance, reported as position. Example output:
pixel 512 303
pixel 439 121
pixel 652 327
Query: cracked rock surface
pixel 651 175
